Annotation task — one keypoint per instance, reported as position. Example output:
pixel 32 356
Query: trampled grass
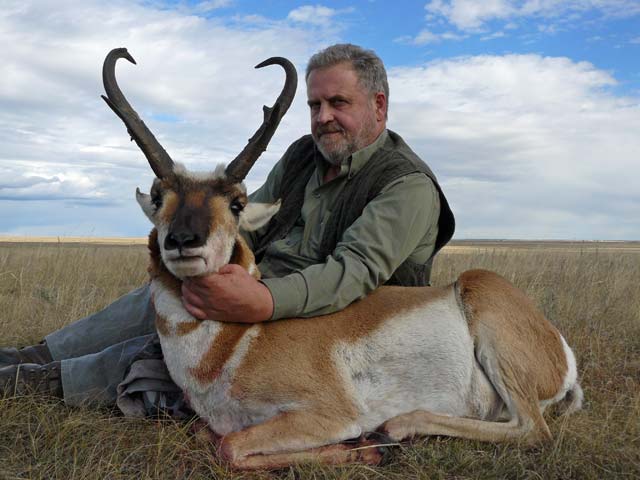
pixel 591 292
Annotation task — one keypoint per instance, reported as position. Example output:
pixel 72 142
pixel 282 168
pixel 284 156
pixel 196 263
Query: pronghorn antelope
pixel 474 359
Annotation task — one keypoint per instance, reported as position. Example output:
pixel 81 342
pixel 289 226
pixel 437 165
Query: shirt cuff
pixel 289 294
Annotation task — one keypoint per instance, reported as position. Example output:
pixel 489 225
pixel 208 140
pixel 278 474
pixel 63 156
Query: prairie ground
pixel 589 290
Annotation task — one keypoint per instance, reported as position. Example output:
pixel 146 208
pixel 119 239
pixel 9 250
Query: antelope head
pixel 198 216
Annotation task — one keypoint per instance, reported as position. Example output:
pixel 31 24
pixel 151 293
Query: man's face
pixel 345 117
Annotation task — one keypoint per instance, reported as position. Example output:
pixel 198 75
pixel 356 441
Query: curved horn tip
pixel 273 61
pixel 122 52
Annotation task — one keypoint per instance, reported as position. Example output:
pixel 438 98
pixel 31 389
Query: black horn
pixel 237 170
pixel 158 158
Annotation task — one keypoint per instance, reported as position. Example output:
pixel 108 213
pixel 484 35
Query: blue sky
pixel 527 110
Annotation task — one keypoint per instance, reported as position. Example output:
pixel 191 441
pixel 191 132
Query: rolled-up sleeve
pixel 399 223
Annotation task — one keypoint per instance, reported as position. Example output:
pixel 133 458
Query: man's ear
pixel 380 102
pixel 256 215
pixel 144 201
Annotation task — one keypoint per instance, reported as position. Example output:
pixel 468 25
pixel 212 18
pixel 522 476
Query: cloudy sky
pixel 528 111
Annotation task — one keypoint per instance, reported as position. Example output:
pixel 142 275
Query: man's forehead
pixel 332 79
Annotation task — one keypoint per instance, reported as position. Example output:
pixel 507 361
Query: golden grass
pixel 592 294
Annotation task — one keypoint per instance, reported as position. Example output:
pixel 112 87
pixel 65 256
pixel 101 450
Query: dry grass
pixel 591 293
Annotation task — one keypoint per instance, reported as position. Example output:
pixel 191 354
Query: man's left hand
pixel 231 295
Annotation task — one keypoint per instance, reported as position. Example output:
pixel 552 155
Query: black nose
pixel 182 239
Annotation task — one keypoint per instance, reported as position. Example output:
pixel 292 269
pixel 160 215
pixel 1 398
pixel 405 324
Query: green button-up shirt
pixel 400 223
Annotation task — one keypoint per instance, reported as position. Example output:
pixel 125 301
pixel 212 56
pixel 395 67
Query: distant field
pixel 455 246
pixel 74 240
pixel 548 245
pixel 590 290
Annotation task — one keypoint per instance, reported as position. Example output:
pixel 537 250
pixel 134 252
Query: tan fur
pixel 162 326
pixel 247 448
pixel 243 256
pixel 170 204
pixel 505 318
pixel 222 220
pixel 186 328
pixel 363 452
pixel 195 199
pixel 421 423
pixel 157 269
pixel 219 352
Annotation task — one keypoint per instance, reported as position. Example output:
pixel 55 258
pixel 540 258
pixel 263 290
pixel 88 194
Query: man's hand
pixel 231 295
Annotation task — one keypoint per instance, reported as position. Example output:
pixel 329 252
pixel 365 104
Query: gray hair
pixel 366 63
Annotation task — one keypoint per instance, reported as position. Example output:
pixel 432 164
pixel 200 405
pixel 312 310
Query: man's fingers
pixel 230 268
pixel 195 311
pixel 201 286
pixel 191 297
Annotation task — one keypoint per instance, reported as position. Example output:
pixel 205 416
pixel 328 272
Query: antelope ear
pixel 144 201
pixel 256 215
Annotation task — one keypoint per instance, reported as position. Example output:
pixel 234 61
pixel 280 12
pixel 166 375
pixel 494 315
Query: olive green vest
pixel 391 161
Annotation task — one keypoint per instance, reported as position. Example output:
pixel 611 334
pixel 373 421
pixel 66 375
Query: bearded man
pixel 359 209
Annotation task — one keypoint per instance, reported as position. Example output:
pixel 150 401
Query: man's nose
pixel 325 114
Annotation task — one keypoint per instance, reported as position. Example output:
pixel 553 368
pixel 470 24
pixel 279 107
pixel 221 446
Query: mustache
pixel 330 128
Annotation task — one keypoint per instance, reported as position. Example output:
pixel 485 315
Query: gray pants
pixel 96 351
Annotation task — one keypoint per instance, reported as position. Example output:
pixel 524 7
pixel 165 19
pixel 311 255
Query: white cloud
pixel 527 146
pixel 470 14
pixel 473 15
pixel 548 29
pixel 317 15
pixel 210 5
pixel 426 37
pixel 493 36
pixel 69 186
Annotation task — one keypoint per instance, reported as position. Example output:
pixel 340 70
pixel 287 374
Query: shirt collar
pixel 362 156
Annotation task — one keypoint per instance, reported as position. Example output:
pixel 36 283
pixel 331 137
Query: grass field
pixel 591 291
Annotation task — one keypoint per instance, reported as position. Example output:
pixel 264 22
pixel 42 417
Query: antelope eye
pixel 236 207
pixel 156 199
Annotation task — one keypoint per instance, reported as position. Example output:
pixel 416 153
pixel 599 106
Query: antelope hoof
pixel 369 452
pixel 383 444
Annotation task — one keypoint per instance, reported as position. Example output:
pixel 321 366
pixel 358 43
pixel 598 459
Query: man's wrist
pixel 289 295
pixel 267 303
